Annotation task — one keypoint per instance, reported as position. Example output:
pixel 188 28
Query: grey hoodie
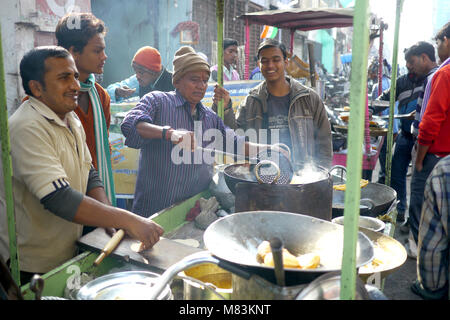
pixel 308 122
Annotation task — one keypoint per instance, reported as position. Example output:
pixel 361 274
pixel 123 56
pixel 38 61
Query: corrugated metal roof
pixel 302 19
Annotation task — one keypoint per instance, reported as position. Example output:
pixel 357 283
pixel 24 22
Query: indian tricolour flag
pixel 269 32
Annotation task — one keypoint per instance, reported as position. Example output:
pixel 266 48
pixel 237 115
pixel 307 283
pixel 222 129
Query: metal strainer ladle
pixel 267 171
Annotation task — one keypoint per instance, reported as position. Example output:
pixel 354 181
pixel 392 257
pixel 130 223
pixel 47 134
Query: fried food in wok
pixel 263 250
pixel 342 187
pixel 380 260
pixel 305 261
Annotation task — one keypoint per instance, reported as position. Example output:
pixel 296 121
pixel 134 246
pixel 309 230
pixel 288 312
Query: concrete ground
pixel 397 285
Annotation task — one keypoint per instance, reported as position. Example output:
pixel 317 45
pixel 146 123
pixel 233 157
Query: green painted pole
pixel 219 16
pixel 390 135
pixel 358 93
pixel 220 108
pixel 7 173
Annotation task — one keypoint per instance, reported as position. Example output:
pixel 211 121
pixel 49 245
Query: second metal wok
pixel 242 172
pixel 376 199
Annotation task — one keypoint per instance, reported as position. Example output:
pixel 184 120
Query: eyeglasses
pixel 142 70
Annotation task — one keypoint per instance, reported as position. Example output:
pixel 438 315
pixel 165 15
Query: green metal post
pixel 219 15
pixel 358 93
pixel 7 173
pixel 390 137
pixel 220 109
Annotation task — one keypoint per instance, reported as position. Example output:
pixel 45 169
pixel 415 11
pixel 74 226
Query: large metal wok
pixel 232 243
pixel 236 238
pixel 376 199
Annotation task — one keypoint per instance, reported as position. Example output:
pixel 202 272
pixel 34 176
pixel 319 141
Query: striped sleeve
pixel 145 111
pixel 433 246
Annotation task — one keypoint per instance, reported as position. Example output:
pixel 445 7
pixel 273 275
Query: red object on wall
pixel 187 25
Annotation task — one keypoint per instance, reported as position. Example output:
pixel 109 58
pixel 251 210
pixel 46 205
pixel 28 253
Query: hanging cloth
pixel 101 139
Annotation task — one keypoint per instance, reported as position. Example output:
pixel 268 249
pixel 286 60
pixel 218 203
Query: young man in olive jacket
pixel 282 103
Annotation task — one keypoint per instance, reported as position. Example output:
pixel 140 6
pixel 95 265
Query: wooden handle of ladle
pixel 110 246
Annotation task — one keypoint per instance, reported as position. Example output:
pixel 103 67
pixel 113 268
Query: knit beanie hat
pixel 149 58
pixel 187 60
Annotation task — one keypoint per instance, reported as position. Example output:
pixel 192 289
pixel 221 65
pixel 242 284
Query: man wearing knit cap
pixel 166 124
pixel 150 76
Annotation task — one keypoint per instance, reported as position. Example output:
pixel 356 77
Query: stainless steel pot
pixel 206 282
pixel 258 288
pixel 365 222
pixel 128 285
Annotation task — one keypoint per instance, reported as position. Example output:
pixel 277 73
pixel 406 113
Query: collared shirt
pixel 434 239
pixel 161 181
pixel 46 155
pixel 418 116
pixel 228 74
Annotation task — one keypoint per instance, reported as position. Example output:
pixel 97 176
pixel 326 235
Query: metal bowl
pixel 390 254
pixel 365 222
pixel 206 282
pixel 129 285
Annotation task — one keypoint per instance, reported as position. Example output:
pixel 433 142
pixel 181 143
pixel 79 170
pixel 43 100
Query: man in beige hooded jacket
pixel 299 110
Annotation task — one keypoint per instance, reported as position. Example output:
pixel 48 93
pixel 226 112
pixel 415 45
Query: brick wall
pixel 204 13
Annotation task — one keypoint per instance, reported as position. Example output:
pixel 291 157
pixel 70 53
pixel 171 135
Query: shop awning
pixel 302 19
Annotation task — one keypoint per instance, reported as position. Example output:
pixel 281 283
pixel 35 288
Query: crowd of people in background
pixel 422 140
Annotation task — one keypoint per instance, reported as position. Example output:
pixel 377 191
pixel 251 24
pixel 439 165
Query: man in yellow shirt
pixel 56 190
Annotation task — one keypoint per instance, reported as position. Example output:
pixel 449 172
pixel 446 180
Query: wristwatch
pixel 229 106
pixel 164 132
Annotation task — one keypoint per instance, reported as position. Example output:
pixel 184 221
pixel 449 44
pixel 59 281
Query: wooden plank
pixel 164 253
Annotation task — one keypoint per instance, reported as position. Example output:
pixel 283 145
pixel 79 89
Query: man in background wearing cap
pixel 164 119
pixel 150 76
pixel 230 53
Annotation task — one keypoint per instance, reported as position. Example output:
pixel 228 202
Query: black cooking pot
pixel 243 172
pixel 312 184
